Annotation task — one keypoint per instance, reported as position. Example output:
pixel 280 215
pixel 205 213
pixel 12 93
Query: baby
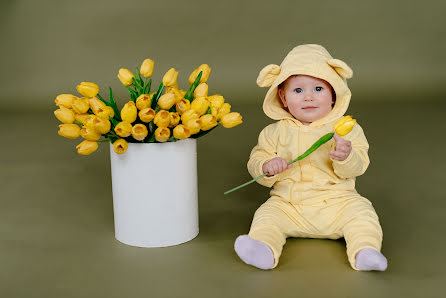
pixel 314 197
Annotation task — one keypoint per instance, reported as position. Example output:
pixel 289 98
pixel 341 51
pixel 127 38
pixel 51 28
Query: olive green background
pixel 56 215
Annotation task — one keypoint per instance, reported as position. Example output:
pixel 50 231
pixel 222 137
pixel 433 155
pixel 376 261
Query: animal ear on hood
pixel 341 68
pixel 267 75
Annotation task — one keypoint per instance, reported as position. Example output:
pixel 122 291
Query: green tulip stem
pixel 324 139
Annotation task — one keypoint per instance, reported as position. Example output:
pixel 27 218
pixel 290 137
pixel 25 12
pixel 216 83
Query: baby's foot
pixel 368 259
pixel 254 252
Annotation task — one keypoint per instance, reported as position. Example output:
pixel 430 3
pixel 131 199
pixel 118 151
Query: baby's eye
pixel 318 88
pixel 298 90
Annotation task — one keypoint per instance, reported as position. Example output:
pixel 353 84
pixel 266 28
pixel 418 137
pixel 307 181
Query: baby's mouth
pixel 309 108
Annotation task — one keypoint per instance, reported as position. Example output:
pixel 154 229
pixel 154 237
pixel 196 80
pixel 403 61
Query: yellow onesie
pixel 316 198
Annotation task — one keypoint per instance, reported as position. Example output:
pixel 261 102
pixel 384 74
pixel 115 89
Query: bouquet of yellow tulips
pixel 166 115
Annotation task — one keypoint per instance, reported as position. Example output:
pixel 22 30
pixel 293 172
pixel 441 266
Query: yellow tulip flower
pixel 70 131
pixel 216 101
pixel 201 90
pixel 182 106
pixel 188 115
pixel 162 119
pixel 166 101
pixel 65 115
pixel 102 125
pixel 143 101
pixel 90 134
pixel 106 112
pixel 87 147
pixel 81 105
pixel 88 89
pixel 123 129
pixel 194 125
pixel 129 112
pixel 208 121
pixel 170 78
pixel 120 146
pixel 200 105
pixel 162 134
pixel 96 105
pixel 147 68
pixel 146 115
pixel 82 118
pixel 344 125
pixel 180 132
pixel 65 100
pixel 224 110
pixel 230 120
pixel 139 132
pixel 89 121
pixel 174 119
pixel 176 92
pixel 206 71
pixel 125 76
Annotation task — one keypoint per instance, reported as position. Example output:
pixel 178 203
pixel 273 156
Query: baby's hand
pixel 342 148
pixel 275 166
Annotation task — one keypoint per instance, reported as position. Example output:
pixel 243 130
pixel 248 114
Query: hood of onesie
pixel 312 60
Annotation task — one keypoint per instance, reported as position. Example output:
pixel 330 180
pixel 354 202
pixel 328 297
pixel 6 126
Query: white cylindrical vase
pixel 155 194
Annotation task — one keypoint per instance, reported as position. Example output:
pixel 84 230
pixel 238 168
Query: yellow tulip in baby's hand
pixel 275 166
pixel 342 149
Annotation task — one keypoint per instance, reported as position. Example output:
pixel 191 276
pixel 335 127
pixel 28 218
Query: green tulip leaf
pixel 190 93
pixel 157 95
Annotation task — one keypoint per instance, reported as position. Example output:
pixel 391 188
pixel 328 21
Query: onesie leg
pixel 368 259
pixel 254 252
pixel 363 235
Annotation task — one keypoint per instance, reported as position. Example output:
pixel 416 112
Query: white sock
pixel 254 252
pixel 369 259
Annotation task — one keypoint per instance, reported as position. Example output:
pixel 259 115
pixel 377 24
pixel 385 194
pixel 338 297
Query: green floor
pixel 56 216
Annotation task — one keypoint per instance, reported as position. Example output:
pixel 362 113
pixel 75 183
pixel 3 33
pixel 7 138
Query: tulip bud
pixel 106 112
pixel 162 118
pixel 81 105
pixel 90 134
pixel 182 106
pixel 147 68
pixel 129 112
pixel 206 71
pixel 70 131
pixel 120 146
pixel 123 129
pixel 87 147
pixel 170 78
pixel 125 76
pixel 88 89
pixel 225 109
pixel 89 121
pixel 96 105
pixel 174 119
pixel 162 134
pixel 200 105
pixel 180 132
pixel 188 115
pixel 230 120
pixel 208 121
pixel 65 115
pixel 201 90
pixel 344 125
pixel 166 101
pixel 139 132
pixel 146 115
pixel 82 118
pixel 102 125
pixel 174 90
pixel 65 100
pixel 143 101
pixel 194 125
pixel 216 101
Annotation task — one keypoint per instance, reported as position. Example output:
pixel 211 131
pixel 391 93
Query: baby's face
pixel 307 98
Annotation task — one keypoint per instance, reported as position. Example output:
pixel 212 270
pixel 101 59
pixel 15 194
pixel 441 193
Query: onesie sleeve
pixel 264 151
pixel 358 160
